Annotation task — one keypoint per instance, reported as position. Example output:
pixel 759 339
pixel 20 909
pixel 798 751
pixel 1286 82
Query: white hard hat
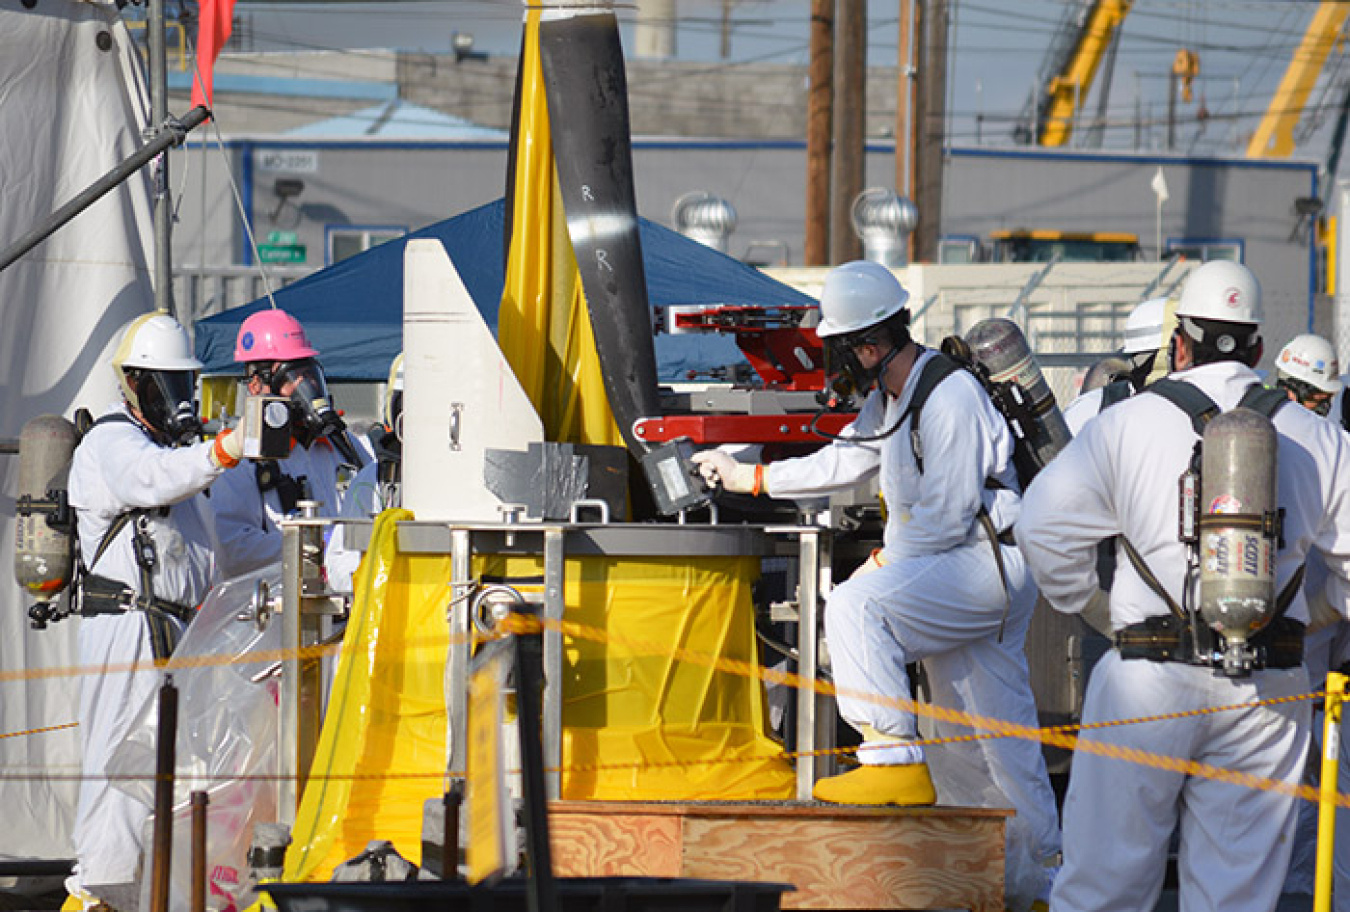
pixel 155 341
pixel 857 296
pixel 1224 291
pixel 1143 327
pixel 1310 358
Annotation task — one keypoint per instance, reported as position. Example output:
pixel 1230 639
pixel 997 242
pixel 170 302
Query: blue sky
pixel 997 51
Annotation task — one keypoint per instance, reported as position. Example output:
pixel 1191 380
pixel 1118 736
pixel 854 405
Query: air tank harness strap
pixel 937 369
pixel 1282 601
pixel 290 491
pixel 1165 639
pixel 1113 392
pixel 1201 409
pixel 100 595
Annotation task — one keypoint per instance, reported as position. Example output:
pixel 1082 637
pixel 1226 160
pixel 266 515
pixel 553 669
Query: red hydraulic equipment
pixel 789 359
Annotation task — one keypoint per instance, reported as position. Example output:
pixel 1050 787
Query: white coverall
pixel 117 468
pixel 1119 477
pixel 938 596
pixel 363 499
pixel 1078 412
pixel 247 519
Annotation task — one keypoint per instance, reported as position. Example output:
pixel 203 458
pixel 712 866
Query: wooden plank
pixel 877 863
pixel 787 809
pixel 609 845
pixel 836 857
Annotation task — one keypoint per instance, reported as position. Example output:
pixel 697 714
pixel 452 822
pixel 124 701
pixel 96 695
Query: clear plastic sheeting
pixel 964 775
pixel 650 712
pixel 227 733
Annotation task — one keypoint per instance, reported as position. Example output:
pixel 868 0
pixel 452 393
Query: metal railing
pixel 204 291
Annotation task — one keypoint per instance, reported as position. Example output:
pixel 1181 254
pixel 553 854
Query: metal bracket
pixel 260 608
pixel 589 504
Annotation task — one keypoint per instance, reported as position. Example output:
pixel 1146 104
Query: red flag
pixel 214 21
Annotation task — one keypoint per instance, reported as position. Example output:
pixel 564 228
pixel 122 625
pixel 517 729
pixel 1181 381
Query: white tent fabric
pixel 72 105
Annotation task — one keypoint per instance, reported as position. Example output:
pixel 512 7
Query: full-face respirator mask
pixel 167 401
pixel 313 416
pixel 845 376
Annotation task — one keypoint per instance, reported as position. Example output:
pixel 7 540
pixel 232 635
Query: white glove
pixel 1321 614
pixel 228 449
pixel 717 467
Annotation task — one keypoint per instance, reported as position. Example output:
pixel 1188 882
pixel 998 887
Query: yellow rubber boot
pixel 908 785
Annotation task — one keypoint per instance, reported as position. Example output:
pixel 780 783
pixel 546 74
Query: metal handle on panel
pixel 456 414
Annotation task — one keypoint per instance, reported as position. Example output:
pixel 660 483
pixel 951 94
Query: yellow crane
pixel 1074 66
pixel 1274 136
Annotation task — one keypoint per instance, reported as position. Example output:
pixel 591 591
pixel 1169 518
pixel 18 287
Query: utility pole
pixel 726 28
pixel 930 118
pixel 906 97
pixel 1171 110
pixel 819 117
pixel 159 113
pixel 850 123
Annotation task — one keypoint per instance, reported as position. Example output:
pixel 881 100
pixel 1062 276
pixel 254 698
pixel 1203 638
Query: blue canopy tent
pixel 353 311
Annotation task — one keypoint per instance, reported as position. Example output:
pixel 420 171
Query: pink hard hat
pixel 272 335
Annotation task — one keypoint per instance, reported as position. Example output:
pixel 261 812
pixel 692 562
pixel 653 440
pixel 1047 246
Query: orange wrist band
pixel 759 480
pixel 222 457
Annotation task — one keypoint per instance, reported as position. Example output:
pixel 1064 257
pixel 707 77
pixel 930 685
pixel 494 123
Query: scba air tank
pixel 999 347
pixel 43 551
pixel 1238 530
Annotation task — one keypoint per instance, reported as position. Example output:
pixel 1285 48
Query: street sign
pixel 282 239
pixel 282 253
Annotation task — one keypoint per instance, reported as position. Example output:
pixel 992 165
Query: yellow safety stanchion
pixel 1326 808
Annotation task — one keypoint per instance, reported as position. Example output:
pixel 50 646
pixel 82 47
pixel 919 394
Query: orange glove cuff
pixel 759 481
pixel 223 458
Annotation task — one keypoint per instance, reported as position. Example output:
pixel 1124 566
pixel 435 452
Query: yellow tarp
pixel 543 325
pixel 386 714
pixel 631 704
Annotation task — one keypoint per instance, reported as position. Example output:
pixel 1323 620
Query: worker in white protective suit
pixel 1307 369
pixel 376 487
pixel 935 591
pixel 1143 339
pixel 146 563
pixel 1119 478
pixel 251 500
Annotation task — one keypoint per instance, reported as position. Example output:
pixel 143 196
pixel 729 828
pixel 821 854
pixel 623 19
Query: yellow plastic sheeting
pixel 646 715
pixel 544 326
pixel 386 714
pixel 630 703
pixel 218 397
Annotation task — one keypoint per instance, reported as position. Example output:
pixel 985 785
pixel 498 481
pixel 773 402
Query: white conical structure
pixel 460 398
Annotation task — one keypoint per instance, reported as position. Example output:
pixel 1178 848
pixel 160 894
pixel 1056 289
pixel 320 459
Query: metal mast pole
pixel 159 113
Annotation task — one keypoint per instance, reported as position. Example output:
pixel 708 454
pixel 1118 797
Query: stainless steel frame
pixel 810 545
